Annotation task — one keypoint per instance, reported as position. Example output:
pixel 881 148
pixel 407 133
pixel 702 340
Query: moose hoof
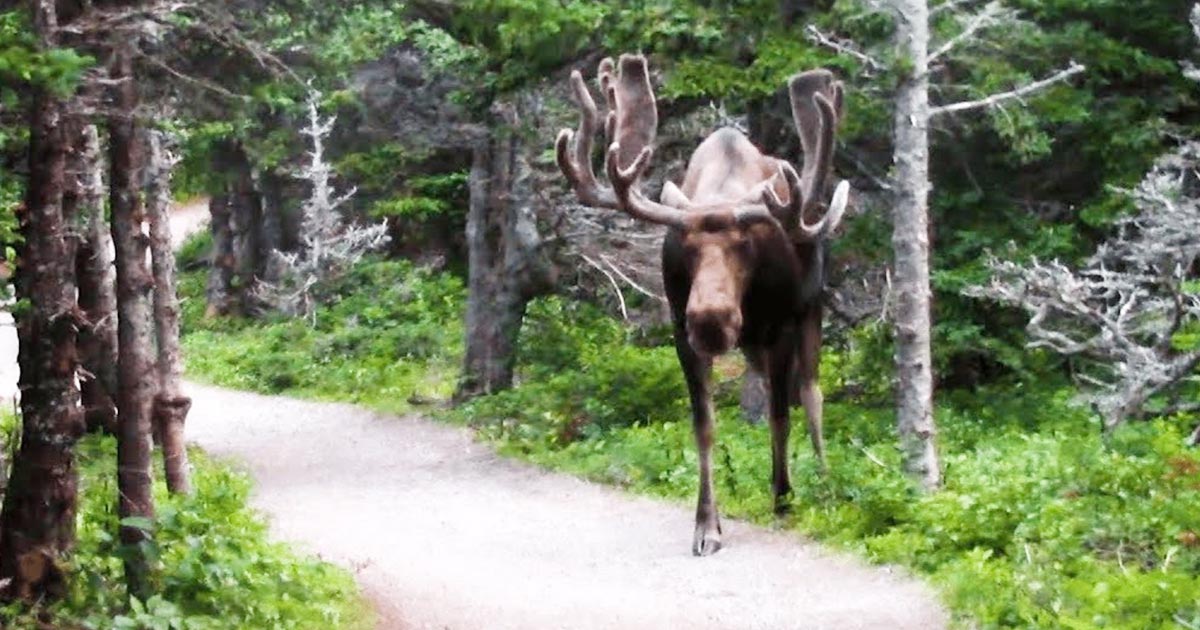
pixel 706 542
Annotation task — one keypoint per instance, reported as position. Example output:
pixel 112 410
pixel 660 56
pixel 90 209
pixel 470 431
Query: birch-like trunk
pixel 97 290
pixel 135 364
pixel 910 242
pixel 37 528
pixel 171 405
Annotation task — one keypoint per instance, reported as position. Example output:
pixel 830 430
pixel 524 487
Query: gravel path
pixel 444 534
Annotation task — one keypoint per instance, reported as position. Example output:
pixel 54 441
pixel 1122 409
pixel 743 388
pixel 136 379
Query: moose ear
pixel 672 196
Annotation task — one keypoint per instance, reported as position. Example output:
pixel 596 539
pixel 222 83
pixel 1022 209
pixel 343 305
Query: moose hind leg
pixel 808 367
pixel 780 368
pixel 706 539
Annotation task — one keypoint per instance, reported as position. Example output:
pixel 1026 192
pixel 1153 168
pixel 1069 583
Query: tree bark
pixel 220 272
pixel 135 364
pixel 910 242
pixel 245 222
pixel 37 528
pixel 506 266
pixel 239 235
pixel 97 291
pixel 270 233
pixel 171 406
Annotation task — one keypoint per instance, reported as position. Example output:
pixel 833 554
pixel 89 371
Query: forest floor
pixel 443 533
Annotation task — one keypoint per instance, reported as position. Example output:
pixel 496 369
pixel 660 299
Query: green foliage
pixel 23 65
pixel 426 197
pixel 215 568
pixel 389 332
pixel 580 378
pixel 195 250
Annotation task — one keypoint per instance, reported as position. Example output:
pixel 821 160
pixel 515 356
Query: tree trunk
pixel 37 528
pixel 245 222
pixel 135 364
pixel 910 242
pixel 170 405
pixel 220 272
pixel 270 233
pixel 97 291
pixel 506 265
pixel 238 234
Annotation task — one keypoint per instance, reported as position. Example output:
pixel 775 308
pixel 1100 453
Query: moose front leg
pixel 779 369
pixel 696 371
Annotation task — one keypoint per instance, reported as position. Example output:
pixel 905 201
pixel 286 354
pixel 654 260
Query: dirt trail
pixel 444 534
pixel 448 535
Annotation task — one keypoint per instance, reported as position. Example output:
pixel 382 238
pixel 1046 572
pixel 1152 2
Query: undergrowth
pixel 1043 522
pixel 391 339
pixel 214 568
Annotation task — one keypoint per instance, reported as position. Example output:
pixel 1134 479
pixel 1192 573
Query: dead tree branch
pixel 992 14
pixel 842 46
pixel 1002 97
pixel 1120 313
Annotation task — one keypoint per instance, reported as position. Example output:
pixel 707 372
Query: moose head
pixel 743 250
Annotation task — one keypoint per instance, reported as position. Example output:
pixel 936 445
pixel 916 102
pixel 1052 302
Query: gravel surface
pixel 444 534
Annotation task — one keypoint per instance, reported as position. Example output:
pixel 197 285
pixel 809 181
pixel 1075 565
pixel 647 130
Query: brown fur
pixel 735 276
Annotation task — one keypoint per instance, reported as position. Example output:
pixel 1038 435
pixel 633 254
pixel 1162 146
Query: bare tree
pixel 135 363
pixel 910 245
pixel 171 405
pixel 38 524
pixel 912 119
pixel 329 246
pixel 1119 313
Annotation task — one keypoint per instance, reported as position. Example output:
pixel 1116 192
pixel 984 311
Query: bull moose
pixel 742 262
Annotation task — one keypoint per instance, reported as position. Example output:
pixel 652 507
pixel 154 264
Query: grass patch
pixel 215 568
pixel 392 337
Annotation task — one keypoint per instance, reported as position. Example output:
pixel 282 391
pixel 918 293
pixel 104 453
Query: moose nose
pixel 713 331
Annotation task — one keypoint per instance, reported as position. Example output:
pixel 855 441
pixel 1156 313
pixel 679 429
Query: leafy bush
pixel 215 568
pixel 391 331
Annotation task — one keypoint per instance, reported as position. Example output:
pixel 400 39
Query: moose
pixel 743 258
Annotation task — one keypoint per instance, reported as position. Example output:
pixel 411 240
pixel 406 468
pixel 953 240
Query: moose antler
pixel 818 103
pixel 577 165
pixel 631 127
pixel 792 210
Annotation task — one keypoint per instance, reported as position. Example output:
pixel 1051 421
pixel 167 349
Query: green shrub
pixel 388 332
pixel 214 569
pixel 195 250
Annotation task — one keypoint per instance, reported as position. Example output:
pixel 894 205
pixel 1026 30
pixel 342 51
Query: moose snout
pixel 714 331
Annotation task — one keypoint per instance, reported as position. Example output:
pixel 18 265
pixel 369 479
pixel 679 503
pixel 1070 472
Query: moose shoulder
pixel 742 260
